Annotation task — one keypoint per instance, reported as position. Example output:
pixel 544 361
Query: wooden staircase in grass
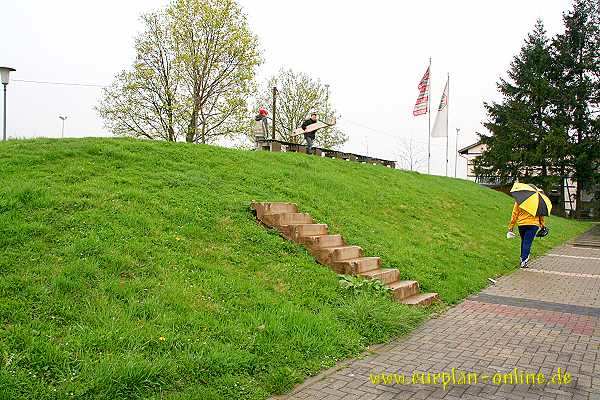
pixel 332 250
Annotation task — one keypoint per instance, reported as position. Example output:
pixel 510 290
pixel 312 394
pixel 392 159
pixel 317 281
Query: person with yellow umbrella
pixel 531 206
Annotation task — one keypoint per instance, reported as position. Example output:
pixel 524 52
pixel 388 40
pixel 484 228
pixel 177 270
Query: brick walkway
pixel 536 321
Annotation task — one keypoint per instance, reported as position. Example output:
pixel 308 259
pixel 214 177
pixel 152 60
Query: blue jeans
pixel 309 143
pixel 265 125
pixel 527 233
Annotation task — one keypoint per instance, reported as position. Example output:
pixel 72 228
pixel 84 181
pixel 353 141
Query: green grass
pixel 110 245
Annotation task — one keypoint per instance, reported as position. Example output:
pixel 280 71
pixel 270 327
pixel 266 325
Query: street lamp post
pixel 4 75
pixel 63 125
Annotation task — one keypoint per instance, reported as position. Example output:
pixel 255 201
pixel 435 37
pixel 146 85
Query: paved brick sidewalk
pixel 535 321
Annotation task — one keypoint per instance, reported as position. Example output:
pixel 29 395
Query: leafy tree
pixel 145 102
pixel 194 69
pixel 576 55
pixel 521 124
pixel 217 56
pixel 297 95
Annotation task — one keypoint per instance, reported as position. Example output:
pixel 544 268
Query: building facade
pixel 589 200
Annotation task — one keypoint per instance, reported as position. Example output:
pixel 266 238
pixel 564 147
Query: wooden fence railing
pixel 278 145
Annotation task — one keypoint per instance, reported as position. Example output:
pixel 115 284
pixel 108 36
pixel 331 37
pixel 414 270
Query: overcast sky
pixel 371 53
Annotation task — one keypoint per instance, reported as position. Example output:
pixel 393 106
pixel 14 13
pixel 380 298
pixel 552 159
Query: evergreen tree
pixel 521 123
pixel 576 76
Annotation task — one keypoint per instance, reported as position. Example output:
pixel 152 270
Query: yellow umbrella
pixel 531 199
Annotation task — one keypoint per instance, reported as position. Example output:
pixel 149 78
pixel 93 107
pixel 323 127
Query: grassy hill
pixel 134 269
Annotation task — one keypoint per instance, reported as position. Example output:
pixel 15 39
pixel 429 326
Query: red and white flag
pixel 422 104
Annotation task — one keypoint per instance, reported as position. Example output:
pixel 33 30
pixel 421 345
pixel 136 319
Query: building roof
pixel 466 149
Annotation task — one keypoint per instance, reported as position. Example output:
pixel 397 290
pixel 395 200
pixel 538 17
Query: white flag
pixel 440 127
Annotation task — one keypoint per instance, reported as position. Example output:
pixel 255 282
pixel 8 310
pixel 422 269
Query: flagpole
pixel 456 152
pixel 447 114
pixel 429 125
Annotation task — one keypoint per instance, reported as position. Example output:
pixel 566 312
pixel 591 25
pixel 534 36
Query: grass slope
pixel 134 269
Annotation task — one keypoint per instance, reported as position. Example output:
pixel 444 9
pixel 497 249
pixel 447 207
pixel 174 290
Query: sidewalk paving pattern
pixel 536 321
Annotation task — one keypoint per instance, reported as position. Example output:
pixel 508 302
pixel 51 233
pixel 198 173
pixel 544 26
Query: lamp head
pixel 4 74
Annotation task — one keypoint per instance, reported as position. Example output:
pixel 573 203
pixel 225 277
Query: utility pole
pixel 456 152
pixel 274 108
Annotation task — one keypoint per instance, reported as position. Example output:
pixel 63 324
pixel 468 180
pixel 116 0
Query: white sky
pixel 371 53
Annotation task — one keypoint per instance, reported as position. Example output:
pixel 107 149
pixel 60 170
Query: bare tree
pixel 411 155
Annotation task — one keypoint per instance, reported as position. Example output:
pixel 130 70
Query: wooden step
pixel 404 289
pixel 329 255
pixel 332 250
pixel 277 220
pixel 385 275
pixel 355 266
pixel 300 231
pixel 423 299
pixel 267 208
pixel 315 242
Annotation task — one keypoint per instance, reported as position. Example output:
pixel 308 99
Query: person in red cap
pixel 262 116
